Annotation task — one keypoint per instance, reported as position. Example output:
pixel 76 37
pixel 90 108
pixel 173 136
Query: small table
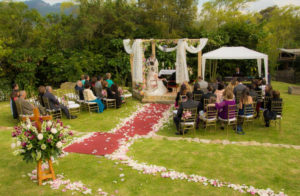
pixel 166 72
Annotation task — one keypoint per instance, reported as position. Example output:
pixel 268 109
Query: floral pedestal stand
pixel 47 174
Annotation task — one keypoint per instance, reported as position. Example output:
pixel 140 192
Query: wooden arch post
pixel 200 64
pixel 153 49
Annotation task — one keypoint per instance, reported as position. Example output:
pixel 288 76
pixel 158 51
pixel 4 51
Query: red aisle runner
pixel 106 143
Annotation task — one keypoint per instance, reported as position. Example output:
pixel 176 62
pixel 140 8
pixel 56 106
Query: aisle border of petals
pixel 121 155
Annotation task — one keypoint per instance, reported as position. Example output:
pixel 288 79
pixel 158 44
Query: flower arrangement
pixel 186 115
pixel 34 145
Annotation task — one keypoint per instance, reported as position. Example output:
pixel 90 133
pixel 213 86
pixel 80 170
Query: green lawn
pixel 290 125
pixel 261 167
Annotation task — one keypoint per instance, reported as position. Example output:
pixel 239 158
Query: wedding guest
pixel 219 92
pixel 211 103
pixel 252 91
pixel 263 87
pixel 26 106
pixel 79 88
pixel 238 73
pixel 54 103
pixel 93 83
pixel 268 113
pixel 41 92
pixel 98 87
pixel 190 103
pixel 13 97
pixel 82 79
pixel 90 97
pixel 223 106
pixel 182 92
pixel 208 95
pixel 240 87
pixel 203 84
pixel 245 100
pixel 197 89
pixel 109 80
pixel 268 90
pixel 113 93
pixel 86 79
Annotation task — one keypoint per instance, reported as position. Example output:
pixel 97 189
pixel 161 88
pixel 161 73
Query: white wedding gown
pixel 159 90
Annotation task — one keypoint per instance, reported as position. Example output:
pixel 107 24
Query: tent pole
pixel 200 63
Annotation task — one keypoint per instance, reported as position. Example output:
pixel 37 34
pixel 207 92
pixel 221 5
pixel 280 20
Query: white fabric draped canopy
pixel 181 67
pixel 181 48
pixel 237 53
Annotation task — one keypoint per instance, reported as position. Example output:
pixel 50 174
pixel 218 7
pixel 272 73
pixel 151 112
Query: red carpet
pixel 106 143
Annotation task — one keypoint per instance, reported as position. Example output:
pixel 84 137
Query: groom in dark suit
pixel 189 104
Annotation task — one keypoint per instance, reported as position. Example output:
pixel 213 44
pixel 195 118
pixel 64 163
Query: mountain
pixel 45 8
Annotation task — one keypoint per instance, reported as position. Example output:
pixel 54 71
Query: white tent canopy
pixel 237 53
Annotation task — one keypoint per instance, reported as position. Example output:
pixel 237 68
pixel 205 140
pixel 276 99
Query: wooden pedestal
pixel 44 175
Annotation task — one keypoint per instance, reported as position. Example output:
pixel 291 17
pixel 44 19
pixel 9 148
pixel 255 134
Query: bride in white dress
pixel 155 86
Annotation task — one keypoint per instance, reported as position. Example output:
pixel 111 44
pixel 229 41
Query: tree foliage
pixel 55 48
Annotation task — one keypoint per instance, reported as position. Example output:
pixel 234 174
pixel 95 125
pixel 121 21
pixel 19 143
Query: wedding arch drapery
pixel 138 54
pixel 181 48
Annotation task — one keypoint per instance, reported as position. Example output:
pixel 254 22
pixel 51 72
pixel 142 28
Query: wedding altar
pixel 146 82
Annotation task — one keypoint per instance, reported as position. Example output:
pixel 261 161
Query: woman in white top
pixel 90 97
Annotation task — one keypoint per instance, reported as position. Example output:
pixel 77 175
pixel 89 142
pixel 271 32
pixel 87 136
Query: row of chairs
pixel 210 117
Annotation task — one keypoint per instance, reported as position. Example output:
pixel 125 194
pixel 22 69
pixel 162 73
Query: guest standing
pixel 109 80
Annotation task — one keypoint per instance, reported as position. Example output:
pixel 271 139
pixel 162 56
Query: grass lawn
pixel 290 125
pixel 275 168
pixel 261 167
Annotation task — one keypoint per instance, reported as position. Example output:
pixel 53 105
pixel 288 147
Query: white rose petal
pixel 40 136
pixel 18 143
pixel 49 123
pixel 58 144
pixel 13 145
pixel 53 130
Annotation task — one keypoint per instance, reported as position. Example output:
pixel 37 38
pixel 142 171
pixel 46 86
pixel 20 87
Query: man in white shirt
pixel 203 84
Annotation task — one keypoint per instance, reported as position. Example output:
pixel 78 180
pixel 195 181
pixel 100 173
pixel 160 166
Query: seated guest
pixel 188 87
pixel 197 89
pixel 13 97
pixel 252 91
pixel 182 92
pixel 219 92
pixel 245 100
pixel 54 103
pixel 222 107
pixel 90 97
pixel 26 106
pixel 98 87
pixel 41 91
pixel 79 88
pixel 208 95
pixel 190 103
pixel 268 90
pixel 82 79
pixel 86 79
pixel 203 84
pixel 108 80
pixel 93 83
pixel 113 93
pixel 239 87
pixel 232 84
pixel 268 113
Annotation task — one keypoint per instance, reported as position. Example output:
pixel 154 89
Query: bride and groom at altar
pixel 156 86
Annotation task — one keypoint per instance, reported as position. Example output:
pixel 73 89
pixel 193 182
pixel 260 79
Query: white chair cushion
pixel 74 106
pixel 246 116
pixel 188 123
pixel 205 119
pixel 71 102
pixel 279 117
pixel 127 95
pixel 230 120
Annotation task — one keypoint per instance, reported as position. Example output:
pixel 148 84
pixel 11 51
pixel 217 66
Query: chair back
pixel 276 106
pixel 189 115
pixel 238 97
pixel 259 96
pixel 46 103
pixel 19 108
pixel 197 97
pixel 232 111
pixel 266 101
pixel 211 112
pixel 248 109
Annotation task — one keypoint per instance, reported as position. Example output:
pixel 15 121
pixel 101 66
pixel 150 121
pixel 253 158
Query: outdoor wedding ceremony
pixel 147 97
